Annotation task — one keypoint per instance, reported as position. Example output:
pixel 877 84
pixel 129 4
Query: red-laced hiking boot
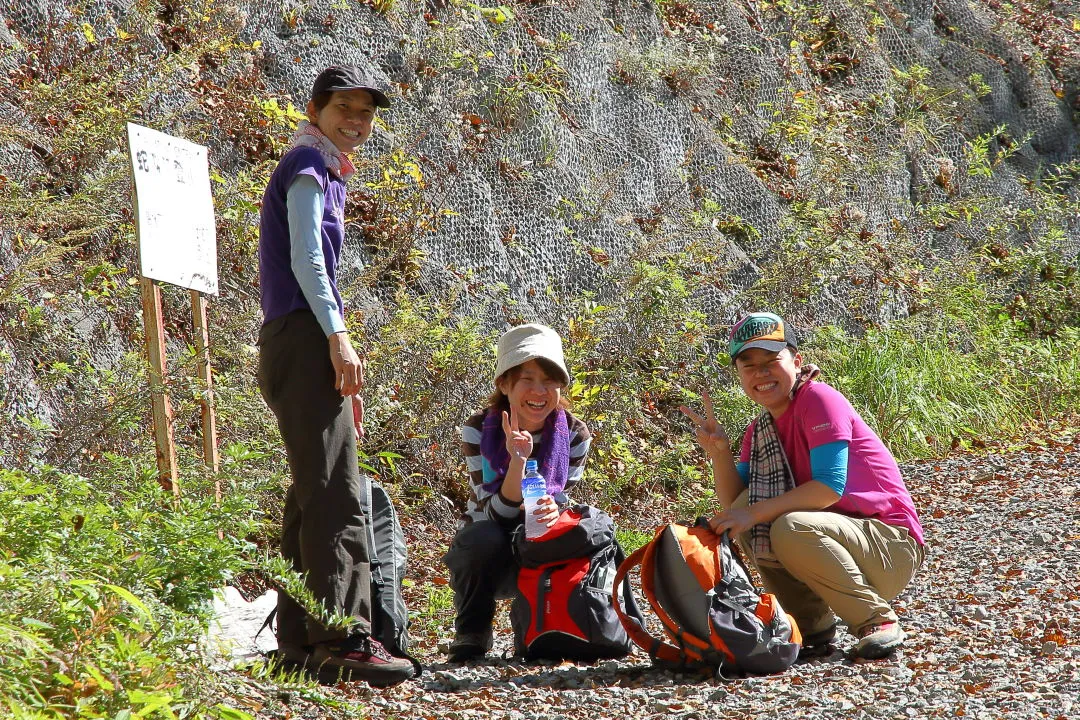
pixel 362 658
pixel 878 641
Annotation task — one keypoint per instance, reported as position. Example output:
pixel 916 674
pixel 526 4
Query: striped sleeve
pixel 483 505
pixel 470 448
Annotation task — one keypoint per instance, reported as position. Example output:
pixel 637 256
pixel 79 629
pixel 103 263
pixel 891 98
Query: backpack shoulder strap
pixel 267 623
pixel 630 607
pixel 657 649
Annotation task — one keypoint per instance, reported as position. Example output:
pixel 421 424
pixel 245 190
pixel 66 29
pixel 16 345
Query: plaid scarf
pixel 554 461
pixel 309 135
pixel 770 472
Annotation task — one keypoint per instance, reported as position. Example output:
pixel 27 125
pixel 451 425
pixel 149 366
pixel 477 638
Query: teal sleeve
pixel 489 472
pixel 828 465
pixel 744 472
pixel 305 203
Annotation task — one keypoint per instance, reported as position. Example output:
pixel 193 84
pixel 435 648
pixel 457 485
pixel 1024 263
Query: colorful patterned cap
pixel 761 330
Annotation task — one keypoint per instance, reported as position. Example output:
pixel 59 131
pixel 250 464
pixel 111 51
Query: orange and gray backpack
pixel 709 609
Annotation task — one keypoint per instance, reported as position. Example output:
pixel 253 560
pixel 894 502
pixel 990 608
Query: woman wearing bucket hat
pixel 526 417
pixel 814 497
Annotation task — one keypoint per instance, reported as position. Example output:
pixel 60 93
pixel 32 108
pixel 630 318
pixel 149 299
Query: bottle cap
pixel 530 465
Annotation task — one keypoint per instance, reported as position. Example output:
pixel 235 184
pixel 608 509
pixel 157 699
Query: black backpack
pixel 389 616
pixel 562 609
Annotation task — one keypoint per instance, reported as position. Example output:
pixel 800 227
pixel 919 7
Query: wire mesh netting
pixel 559 140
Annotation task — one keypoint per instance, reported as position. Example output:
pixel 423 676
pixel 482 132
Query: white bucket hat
pixel 528 342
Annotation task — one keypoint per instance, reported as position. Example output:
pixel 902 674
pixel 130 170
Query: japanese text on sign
pixel 177 239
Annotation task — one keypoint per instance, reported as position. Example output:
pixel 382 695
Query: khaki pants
pixel 824 563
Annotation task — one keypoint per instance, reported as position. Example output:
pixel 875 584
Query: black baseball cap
pixel 348 77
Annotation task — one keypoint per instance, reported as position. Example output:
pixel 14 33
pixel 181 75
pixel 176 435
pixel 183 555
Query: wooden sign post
pixel 163 414
pixel 177 245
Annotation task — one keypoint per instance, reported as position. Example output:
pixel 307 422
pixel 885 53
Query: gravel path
pixel 993 623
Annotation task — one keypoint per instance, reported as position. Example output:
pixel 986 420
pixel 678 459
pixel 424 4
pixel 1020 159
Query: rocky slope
pixel 827 156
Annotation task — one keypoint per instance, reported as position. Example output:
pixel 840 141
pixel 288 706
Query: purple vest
pixel 279 290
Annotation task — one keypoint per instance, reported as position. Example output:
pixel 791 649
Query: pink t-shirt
pixel 819 414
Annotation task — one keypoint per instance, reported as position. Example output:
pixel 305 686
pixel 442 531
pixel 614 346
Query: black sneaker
pixel 818 644
pixel 467 646
pixel 362 658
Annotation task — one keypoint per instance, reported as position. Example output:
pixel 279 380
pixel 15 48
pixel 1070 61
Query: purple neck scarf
pixel 554 460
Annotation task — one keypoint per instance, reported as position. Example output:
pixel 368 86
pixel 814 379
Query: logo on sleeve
pixel 821 427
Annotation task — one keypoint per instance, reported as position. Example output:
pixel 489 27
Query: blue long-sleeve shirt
pixel 828 465
pixel 305 202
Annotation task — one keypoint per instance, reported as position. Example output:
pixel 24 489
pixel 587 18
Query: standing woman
pixel 310 376
pixel 526 417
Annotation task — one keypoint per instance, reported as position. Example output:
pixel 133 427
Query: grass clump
pixel 930 385
pixel 106 588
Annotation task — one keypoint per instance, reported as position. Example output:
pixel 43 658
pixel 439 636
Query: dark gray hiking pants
pixel 482 570
pixel 324 532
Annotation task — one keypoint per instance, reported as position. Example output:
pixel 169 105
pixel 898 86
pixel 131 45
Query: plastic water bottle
pixel 533 487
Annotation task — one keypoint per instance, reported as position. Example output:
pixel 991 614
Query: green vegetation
pixel 953 323
pixel 105 587
pixel 630 539
pixel 435 616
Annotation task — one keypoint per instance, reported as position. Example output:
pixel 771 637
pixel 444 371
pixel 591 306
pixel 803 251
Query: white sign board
pixel 177 238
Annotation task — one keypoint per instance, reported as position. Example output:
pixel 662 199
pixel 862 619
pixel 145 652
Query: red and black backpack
pixel 563 609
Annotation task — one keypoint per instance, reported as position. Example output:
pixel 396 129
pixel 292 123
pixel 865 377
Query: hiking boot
pixel 293 653
pixel 878 641
pixel 818 644
pixel 362 658
pixel 467 646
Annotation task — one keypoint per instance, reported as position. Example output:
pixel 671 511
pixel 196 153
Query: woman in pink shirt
pixel 813 496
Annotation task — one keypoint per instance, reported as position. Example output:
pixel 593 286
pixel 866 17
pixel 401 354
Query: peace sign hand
pixel 710 436
pixel 519 443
